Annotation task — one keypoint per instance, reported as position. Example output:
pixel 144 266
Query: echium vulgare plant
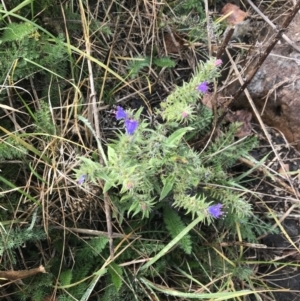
pixel 150 164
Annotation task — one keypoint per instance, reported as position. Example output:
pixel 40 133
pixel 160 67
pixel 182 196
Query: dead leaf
pixel 174 43
pixel 284 169
pixel 243 117
pixel 236 15
pixel 207 100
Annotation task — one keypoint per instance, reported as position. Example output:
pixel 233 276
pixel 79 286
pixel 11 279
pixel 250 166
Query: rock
pixel 275 89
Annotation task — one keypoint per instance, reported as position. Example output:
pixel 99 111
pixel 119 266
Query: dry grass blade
pixel 269 173
pixel 93 110
pixel 11 109
pixel 96 232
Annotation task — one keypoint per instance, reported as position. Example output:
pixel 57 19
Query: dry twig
pixel 267 20
pixel 269 48
pixel 17 275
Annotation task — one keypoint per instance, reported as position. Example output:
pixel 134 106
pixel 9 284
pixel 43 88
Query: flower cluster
pixel 215 210
pixel 130 124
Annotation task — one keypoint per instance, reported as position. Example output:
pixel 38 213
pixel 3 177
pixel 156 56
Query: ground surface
pixel 273 168
pixel 276 95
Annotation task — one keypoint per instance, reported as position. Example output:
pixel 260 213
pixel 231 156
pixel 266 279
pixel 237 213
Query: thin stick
pixel 267 20
pixel 225 41
pixel 16 275
pixel 96 232
pixel 269 48
pixel 208 27
pixel 4 6
pixel 263 57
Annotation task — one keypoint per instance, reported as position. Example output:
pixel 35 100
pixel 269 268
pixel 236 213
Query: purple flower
pixel 203 87
pixel 131 125
pixel 215 210
pixel 81 179
pixel 120 113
